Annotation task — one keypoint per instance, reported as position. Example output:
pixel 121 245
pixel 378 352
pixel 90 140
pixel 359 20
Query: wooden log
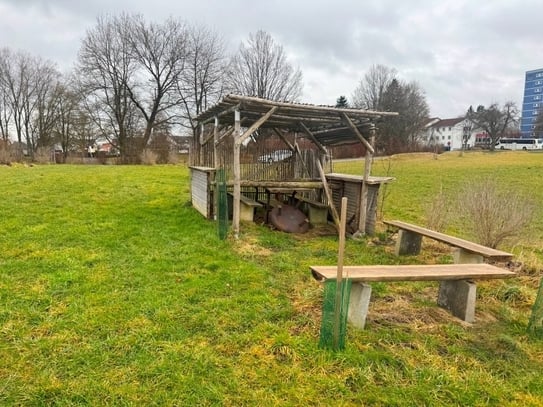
pixel 364 201
pixel 256 125
pixel 357 133
pixel 237 177
pixel 313 138
pixel 328 193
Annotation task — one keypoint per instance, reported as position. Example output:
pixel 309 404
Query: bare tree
pixel 105 67
pixel 494 120
pixel 201 83
pixel 5 107
pixel 28 84
pixel 381 90
pixel 370 90
pixel 159 52
pixel 46 106
pixel 261 69
pixel 68 118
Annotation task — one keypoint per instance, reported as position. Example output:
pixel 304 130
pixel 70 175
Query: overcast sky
pixel 460 52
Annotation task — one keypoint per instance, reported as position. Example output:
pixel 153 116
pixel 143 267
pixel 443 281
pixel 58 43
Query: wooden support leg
pixel 359 302
pixel 458 296
pixel 408 243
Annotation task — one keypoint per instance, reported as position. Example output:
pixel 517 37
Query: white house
pixel 449 133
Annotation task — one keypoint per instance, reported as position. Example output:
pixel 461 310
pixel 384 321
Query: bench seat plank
pixel 451 240
pixel 432 272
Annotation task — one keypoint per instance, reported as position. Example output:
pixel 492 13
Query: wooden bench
pixel 457 291
pixel 247 207
pixel 410 239
pixel 317 212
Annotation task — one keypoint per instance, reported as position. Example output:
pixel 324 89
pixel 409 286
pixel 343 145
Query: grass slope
pixel 114 291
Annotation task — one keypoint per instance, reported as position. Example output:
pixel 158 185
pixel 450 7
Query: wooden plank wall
pixel 200 191
pixel 353 192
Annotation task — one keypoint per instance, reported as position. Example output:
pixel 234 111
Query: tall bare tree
pixel 261 69
pixel 496 121
pixel 201 83
pixel 105 68
pixel 69 116
pixel 28 84
pixel 5 112
pixel 381 90
pixel 370 90
pixel 159 52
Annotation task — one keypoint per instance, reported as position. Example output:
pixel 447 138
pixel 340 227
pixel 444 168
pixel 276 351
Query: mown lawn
pixel 114 291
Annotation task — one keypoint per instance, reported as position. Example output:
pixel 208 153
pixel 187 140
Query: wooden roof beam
pixel 221 113
pixel 355 130
pixel 256 125
pixel 313 138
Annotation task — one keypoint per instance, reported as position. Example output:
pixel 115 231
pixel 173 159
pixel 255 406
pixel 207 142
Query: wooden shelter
pixel 231 138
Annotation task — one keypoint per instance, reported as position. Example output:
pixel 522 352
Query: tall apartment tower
pixel 532 103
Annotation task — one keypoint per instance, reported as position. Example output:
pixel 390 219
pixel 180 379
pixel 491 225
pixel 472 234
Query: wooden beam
pixel 237 177
pixel 282 137
pixel 294 148
pixel 222 113
pixel 328 194
pixel 313 138
pixel 364 201
pixel 357 133
pixel 307 108
pixel 215 143
pixel 255 126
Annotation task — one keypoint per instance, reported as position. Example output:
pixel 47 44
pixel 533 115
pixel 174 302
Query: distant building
pixel 449 133
pixel 532 103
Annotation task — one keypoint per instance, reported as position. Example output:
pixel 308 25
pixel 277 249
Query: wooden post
pixel 200 145
pixel 215 143
pixel 339 273
pixel 364 199
pixel 237 175
pixel 216 166
pixel 328 194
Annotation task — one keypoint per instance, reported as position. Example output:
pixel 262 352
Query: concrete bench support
pixel 461 256
pixel 459 298
pixel 359 303
pixel 408 243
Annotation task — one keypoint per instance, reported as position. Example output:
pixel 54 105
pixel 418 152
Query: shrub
pixel 43 155
pixel 173 157
pixel 438 212
pixel 5 155
pixel 148 157
pixel 492 215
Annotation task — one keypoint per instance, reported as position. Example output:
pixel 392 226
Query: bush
pixel 148 157
pixel 43 155
pixel 438 212
pixel 492 215
pixel 5 155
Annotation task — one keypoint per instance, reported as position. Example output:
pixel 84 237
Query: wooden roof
pixel 328 125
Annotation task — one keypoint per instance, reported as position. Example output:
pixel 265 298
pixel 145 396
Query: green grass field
pixel 114 291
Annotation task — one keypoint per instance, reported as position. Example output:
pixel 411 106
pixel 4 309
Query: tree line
pixel 135 80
